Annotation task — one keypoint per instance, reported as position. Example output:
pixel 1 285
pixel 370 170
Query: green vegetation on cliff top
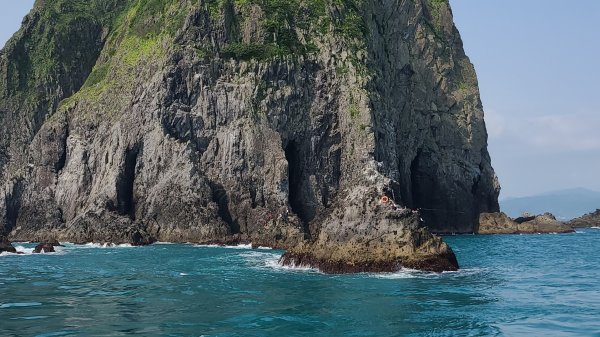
pixel 41 54
pixel 136 31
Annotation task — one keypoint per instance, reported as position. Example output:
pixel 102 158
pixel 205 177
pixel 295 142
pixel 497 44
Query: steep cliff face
pixel 278 122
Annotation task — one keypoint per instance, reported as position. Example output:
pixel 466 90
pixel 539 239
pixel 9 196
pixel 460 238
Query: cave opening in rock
pixel 125 184
pixel 426 190
pixel 219 197
pixel 13 206
pixel 295 197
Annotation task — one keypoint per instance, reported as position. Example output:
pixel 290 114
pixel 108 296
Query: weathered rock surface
pixel 497 223
pixel 46 247
pixel 500 223
pixel 280 123
pixel 6 246
pixel 43 248
pixel 586 221
pixel 370 236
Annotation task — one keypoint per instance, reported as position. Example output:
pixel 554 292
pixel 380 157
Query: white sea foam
pixel 106 245
pixel 19 305
pixel 595 227
pixel 413 273
pixel 22 250
pixel 268 260
pixel 465 271
pixel 275 265
pixel 402 274
pixel 25 250
pixel 70 246
pixel 241 246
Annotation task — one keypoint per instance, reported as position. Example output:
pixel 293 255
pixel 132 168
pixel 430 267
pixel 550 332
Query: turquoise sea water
pixel 522 285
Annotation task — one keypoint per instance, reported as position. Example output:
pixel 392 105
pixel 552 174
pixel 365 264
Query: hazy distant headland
pixel 564 204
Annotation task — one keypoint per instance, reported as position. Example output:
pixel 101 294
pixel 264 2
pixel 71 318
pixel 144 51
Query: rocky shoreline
pixel 42 247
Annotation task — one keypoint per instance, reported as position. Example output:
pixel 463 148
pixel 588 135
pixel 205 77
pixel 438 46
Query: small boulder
pixel 6 246
pixel 47 247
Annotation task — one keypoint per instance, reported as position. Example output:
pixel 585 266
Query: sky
pixel 538 64
pixel 538 67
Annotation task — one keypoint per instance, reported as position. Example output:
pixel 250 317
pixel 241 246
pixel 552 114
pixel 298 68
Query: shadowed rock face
pixel 6 246
pixel 279 123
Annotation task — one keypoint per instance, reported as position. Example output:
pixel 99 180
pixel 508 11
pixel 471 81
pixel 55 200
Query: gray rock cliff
pixel 279 123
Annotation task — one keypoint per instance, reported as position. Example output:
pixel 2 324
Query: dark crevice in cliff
pixel 483 203
pixel 425 191
pixel 62 160
pixel 414 182
pixel 13 206
pixel 296 199
pixel 125 183
pixel 219 196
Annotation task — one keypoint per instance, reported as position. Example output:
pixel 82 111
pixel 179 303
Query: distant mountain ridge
pixel 564 204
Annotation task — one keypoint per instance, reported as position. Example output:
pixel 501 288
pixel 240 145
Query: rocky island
pixel 500 223
pixel 587 220
pixel 313 126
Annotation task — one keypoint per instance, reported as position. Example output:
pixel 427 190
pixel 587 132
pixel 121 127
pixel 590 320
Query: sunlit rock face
pixel 279 123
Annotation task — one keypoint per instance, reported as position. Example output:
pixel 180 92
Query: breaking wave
pixel 241 246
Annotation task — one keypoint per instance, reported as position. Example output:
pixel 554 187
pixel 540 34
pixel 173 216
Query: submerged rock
pixel 281 123
pixel 500 223
pixel 586 221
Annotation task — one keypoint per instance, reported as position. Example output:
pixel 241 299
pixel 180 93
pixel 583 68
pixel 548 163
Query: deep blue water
pixel 531 285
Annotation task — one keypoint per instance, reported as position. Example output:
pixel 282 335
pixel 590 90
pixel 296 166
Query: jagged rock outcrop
pixel 367 235
pixel 275 122
pixel 586 221
pixel 500 223
pixel 6 246
pixel 46 247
